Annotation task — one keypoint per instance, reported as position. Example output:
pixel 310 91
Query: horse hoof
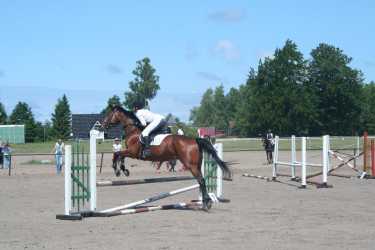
pixel 207 204
pixel 126 172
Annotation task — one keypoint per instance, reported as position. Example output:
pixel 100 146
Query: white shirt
pixel 117 147
pixel 180 132
pixel 146 116
pixel 59 148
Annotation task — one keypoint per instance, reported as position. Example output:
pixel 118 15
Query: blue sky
pixel 88 49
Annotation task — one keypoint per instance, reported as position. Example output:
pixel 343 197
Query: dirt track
pixel 261 215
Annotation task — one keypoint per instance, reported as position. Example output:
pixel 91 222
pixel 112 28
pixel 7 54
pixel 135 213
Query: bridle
pixel 126 125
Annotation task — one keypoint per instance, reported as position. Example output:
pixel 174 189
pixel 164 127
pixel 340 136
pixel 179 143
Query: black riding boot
pixel 146 152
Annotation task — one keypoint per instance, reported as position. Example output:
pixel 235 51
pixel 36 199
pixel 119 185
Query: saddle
pixel 162 130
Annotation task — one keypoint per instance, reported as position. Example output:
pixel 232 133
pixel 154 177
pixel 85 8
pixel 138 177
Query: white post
pixel 293 157
pixel 303 174
pixel 67 178
pixel 325 158
pixel 219 172
pixel 275 158
pixel 93 137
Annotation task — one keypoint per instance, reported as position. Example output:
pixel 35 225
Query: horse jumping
pixel 188 150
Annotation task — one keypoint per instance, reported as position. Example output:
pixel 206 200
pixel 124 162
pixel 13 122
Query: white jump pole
pixel 303 171
pixel 92 182
pixel 67 178
pixel 219 172
pixel 151 199
pixel 275 158
pixel 325 159
pixel 293 157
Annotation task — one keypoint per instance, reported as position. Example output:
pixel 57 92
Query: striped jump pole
pixel 142 181
pixel 180 205
pixel 151 199
pixel 257 176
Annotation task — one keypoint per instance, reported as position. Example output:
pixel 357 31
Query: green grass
pixel 313 143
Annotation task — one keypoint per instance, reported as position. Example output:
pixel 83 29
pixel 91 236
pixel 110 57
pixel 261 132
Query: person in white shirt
pixel 269 136
pixel 59 150
pixel 117 147
pixel 151 122
pixel 180 131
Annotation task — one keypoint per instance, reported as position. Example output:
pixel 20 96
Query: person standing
pixel 116 147
pixel 180 131
pixel 7 156
pixel 59 151
pixel 269 136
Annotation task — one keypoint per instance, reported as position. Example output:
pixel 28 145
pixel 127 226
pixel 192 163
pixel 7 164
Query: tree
pixel 275 97
pixel 203 116
pixel 337 88
pixel 3 114
pixel 220 119
pixel 145 85
pixel 22 114
pixel 112 101
pixel 243 116
pixel 61 119
pixel 368 107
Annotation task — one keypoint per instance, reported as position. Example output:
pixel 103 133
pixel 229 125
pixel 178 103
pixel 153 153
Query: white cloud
pixel 227 49
pixel 228 15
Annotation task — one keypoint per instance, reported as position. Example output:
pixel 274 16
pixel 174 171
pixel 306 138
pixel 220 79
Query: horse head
pixel 120 115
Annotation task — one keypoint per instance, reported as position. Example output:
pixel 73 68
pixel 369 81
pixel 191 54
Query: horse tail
pixel 205 145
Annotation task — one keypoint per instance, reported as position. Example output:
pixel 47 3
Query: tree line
pixel 35 131
pixel 293 95
pixel 142 88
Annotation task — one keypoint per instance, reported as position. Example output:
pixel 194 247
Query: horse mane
pixel 131 115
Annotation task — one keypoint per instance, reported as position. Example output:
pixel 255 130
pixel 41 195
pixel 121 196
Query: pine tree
pixel 113 101
pixel 3 114
pixel 145 85
pixel 61 119
pixel 23 115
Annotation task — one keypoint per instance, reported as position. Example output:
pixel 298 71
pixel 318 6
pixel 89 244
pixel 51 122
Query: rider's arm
pixel 141 118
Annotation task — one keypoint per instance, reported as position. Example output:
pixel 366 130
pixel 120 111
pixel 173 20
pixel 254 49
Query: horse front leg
pixel 119 157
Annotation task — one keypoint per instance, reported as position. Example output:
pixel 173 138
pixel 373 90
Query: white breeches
pixel 150 127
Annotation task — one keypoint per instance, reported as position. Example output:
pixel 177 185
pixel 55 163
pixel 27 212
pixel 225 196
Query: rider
pixel 269 136
pixel 151 122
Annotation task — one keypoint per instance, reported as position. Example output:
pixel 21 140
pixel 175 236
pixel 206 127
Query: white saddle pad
pixel 158 139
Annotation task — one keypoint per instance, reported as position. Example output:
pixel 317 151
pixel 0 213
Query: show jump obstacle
pixel 81 185
pixel 303 164
pixel 326 165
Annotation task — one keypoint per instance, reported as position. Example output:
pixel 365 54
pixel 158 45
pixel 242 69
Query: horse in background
pixel 268 147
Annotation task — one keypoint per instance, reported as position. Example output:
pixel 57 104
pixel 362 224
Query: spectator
pixel 59 150
pixel 7 155
pixel 1 154
pixel 180 131
pixel 117 147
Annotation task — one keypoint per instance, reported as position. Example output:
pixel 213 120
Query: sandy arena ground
pixel 261 215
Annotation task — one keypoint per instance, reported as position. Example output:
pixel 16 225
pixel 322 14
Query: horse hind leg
pixel 206 200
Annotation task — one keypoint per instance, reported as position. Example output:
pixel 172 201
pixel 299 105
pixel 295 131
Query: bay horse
pixel 188 150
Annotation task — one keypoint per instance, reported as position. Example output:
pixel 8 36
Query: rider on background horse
pixel 151 121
